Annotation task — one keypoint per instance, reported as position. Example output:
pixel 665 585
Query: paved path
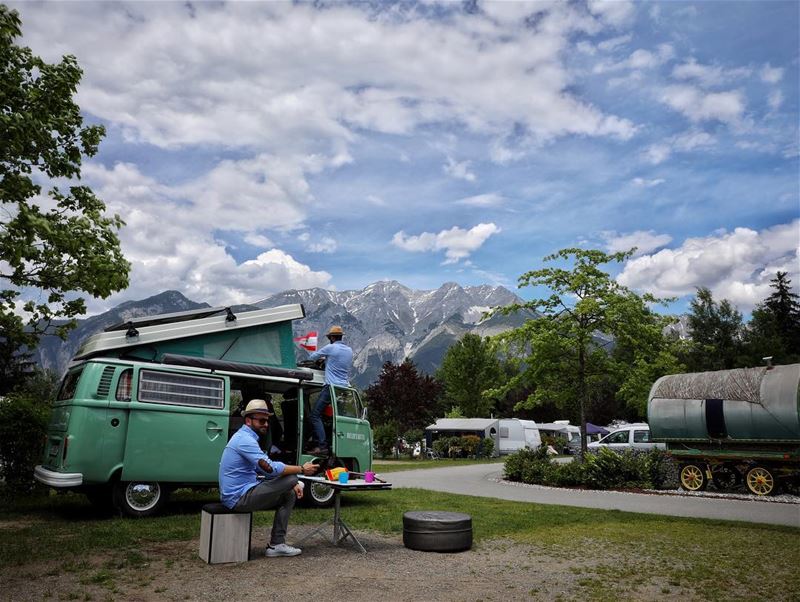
pixel 480 480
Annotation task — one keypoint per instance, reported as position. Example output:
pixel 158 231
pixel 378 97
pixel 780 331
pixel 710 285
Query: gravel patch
pixel 785 498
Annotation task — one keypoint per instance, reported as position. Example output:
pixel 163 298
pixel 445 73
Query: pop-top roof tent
pixel 261 337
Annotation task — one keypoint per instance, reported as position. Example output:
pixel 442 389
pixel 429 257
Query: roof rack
pixel 178 316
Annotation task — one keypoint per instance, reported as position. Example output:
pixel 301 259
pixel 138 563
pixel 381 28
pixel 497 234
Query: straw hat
pixel 335 330
pixel 256 406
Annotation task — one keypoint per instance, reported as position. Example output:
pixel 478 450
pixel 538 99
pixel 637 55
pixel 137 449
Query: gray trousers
pixel 274 494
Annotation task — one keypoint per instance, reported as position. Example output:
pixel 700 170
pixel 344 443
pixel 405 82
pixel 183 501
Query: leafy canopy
pixel 55 244
pixel 469 367
pixel 566 352
pixel 403 398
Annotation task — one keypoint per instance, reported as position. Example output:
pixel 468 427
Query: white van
pixel 516 434
pixel 631 436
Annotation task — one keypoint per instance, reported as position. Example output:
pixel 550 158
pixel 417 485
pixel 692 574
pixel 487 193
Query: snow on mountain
pixel 385 321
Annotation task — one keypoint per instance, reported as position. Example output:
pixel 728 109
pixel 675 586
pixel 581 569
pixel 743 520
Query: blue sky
pixel 256 147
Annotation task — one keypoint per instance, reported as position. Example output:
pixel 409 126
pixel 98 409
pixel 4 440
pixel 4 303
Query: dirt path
pixel 498 570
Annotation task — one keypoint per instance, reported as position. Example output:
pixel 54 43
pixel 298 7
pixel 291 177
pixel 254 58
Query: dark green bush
pixel 23 428
pixel 605 469
pixel 440 446
pixel 469 445
pixel 485 449
pixel 384 436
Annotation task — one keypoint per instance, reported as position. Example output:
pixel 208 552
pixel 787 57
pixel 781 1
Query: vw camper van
pixel 148 406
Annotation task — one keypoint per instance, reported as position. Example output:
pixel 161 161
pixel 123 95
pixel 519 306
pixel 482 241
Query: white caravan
pixel 516 434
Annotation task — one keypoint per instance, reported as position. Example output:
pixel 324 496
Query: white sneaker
pixel 282 549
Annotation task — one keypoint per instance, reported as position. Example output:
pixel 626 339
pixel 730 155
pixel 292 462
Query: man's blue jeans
pixel 323 401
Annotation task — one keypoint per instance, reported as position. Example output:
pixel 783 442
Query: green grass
pixel 607 550
pixel 389 465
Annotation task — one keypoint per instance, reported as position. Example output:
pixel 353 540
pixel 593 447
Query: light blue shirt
pixel 239 467
pixel 338 360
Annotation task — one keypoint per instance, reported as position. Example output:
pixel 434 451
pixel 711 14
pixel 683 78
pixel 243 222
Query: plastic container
pixel 344 477
pixel 369 476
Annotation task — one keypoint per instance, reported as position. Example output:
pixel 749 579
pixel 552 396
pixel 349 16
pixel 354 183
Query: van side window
pixel 68 386
pixel 618 437
pixel 504 432
pixel 641 436
pixel 124 385
pixel 347 403
pixel 181 389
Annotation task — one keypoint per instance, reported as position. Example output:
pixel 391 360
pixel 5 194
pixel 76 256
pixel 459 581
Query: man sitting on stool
pixel 243 462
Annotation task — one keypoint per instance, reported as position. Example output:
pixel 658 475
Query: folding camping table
pixel 341 530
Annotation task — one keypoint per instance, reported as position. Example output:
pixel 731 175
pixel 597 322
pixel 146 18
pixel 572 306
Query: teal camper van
pixel 148 406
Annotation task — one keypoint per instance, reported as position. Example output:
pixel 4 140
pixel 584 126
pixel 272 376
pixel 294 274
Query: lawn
pixel 609 551
pixel 391 465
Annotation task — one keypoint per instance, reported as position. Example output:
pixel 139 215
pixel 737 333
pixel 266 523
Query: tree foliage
pixel 717 332
pixel 403 397
pixel 59 243
pixel 774 329
pixel 565 353
pixel 470 367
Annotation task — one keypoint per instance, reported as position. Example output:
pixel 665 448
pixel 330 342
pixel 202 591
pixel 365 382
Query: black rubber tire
pixel 318 495
pixel 436 531
pixel 129 503
pixel 100 497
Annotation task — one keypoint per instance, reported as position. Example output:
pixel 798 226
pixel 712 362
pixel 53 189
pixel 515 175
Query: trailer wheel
pixel 726 478
pixel 693 477
pixel 139 499
pixel 760 481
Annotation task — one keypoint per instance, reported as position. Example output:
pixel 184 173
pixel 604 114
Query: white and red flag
pixel 308 341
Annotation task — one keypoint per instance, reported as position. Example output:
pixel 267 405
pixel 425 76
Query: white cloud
pixel 456 242
pixel 458 170
pixel 291 78
pixel 644 241
pixel 640 59
pixel 644 183
pixel 324 244
pixel 374 199
pixel 708 75
pixel 171 245
pixel 489 199
pixel 684 142
pixel 775 100
pixel 704 106
pixel 734 265
pixel 616 13
pixel 771 75
pixel 612 43
pixel 258 240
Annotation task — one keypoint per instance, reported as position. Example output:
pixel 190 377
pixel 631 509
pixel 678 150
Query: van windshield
pixel 68 385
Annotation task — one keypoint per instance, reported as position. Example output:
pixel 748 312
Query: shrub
pixel 385 436
pixel 469 444
pixel 486 448
pixel 515 464
pixel 440 446
pixel 23 429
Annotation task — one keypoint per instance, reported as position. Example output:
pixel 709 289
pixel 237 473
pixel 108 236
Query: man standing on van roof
pixel 338 361
pixel 241 465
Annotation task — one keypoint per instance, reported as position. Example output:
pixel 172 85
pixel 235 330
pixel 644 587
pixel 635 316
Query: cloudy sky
pixel 256 147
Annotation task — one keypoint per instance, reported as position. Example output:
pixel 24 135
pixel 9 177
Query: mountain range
pixel 385 321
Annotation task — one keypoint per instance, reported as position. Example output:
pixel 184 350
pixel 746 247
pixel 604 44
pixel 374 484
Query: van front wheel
pixel 319 496
pixel 138 499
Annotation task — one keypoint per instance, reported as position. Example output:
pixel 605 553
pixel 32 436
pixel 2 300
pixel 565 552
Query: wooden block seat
pixel 225 534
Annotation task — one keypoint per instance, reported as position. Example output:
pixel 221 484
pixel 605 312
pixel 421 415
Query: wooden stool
pixel 225 534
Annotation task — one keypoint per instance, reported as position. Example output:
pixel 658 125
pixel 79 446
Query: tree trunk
pixel 582 397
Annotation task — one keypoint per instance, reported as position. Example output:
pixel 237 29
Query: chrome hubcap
pixel 142 496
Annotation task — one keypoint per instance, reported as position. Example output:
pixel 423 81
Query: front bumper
pixel 57 479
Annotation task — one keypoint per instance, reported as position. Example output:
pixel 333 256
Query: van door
pixel 177 427
pixel 352 437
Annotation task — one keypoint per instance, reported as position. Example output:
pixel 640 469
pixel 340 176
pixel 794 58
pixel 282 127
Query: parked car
pixel 632 436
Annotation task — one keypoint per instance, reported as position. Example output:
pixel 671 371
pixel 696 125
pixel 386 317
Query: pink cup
pixel 369 476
